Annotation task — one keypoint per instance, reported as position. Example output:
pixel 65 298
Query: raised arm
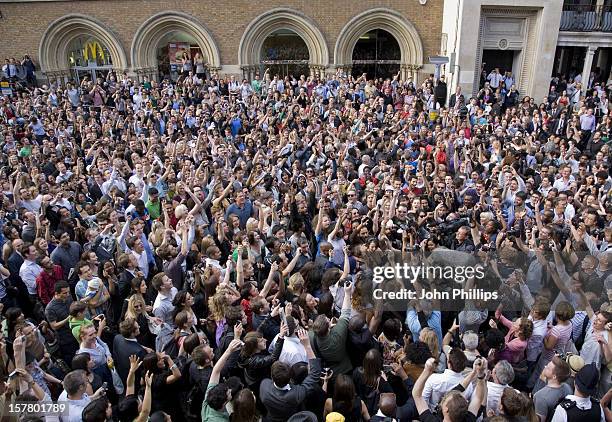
pixel 145 410
pixel 419 385
pixel 216 371
pixel 293 263
pixel 131 378
pixel 268 284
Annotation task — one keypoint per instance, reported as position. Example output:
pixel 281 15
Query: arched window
pixel 285 53
pixel 88 57
pixel 175 46
pixel 377 53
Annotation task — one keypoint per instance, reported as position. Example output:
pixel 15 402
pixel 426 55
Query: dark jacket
pixel 440 93
pixel 281 404
pixel 257 366
pixel 122 350
pixel 14 265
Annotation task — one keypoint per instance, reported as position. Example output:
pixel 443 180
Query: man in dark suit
pixel 554 111
pixel 14 265
pixel 95 187
pixel 440 91
pixel 125 345
pixel 455 97
pixel 124 286
pixel 15 260
pixel 558 126
pixel 280 401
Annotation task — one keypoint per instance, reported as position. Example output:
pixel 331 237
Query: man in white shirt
pixel 502 375
pixel 163 307
pixel 74 395
pixel 293 350
pixel 439 384
pixel 29 269
pixel 509 80
pixel 563 183
pixel 494 78
pixel 137 179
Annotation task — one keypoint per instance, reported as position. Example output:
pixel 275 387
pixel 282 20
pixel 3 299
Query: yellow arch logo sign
pixel 93 50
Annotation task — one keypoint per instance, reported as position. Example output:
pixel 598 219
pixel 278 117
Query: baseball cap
pixel 587 379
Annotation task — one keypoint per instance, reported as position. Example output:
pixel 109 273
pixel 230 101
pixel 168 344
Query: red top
pixel 45 283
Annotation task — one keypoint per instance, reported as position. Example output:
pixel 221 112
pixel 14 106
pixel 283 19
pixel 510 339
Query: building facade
pixel 532 39
pixel 73 39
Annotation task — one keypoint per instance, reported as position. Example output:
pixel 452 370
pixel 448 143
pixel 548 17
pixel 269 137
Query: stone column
pixel 405 72
pixel 317 69
pixel 414 73
pixel 586 70
pixel 246 72
pixel 562 56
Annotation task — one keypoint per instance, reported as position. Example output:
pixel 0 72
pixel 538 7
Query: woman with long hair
pixel 255 359
pixel 346 402
pixel 182 302
pixel 42 247
pixel 165 375
pixel 430 338
pixel 136 309
pixel 370 380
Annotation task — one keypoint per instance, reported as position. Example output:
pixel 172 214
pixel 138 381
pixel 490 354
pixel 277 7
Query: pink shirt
pixel 514 351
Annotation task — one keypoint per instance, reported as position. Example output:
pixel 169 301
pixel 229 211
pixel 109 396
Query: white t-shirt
pixel 75 407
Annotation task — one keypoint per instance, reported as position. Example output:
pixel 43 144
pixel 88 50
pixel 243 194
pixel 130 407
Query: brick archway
pixel 53 47
pixel 389 20
pixel 143 53
pixel 249 50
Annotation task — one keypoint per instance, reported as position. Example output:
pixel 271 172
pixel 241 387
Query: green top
pixel 211 415
pixel 256 85
pixel 154 209
pixel 333 346
pixel 25 151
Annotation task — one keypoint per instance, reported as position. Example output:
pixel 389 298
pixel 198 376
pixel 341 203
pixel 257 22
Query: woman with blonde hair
pixel 156 237
pixel 218 305
pixel 296 285
pixel 136 309
pixel 430 338
pixel 42 247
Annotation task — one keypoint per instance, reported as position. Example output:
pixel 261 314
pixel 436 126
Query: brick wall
pixel 24 23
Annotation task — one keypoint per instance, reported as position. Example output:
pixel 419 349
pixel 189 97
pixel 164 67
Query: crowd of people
pixel 205 249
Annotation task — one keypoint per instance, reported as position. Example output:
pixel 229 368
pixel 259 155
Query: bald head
pixel 387 404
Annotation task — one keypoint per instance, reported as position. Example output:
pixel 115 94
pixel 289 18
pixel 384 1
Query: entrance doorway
pixel 501 59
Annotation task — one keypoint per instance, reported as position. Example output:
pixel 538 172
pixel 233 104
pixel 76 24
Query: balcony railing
pixel 586 18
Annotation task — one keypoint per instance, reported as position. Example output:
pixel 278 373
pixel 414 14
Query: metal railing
pixel 586 18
